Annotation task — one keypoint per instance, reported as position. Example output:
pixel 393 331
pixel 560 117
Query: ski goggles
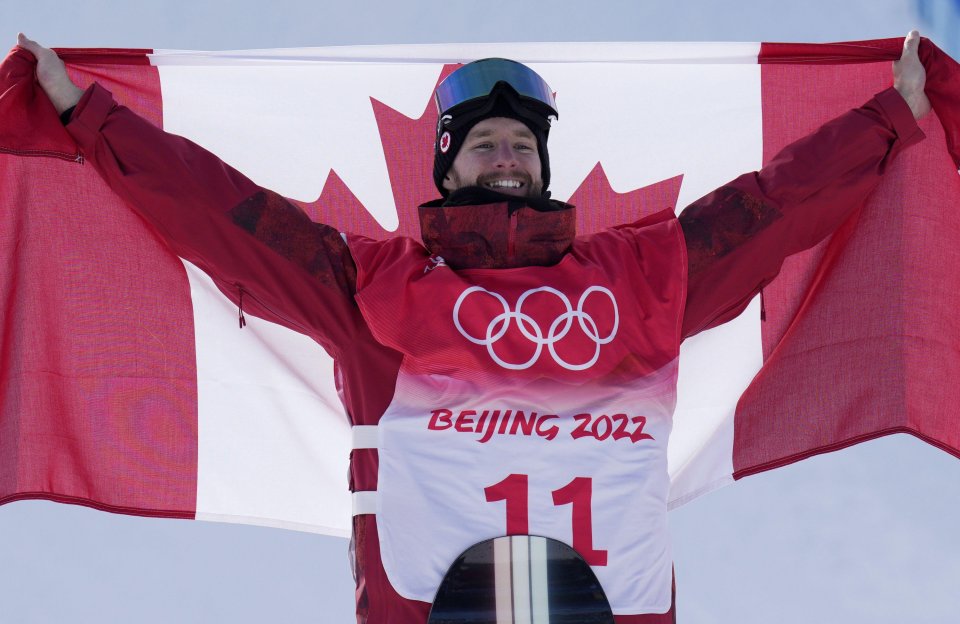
pixel 478 80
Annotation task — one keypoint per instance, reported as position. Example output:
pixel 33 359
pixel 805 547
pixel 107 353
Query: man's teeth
pixel 504 184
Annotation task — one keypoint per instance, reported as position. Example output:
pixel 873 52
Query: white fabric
pixel 273 443
pixel 364 502
pixel 365 436
pixel 704 124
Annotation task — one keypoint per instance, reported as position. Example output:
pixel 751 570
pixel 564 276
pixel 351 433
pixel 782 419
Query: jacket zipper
pixel 512 236
pixel 242 320
pixel 297 327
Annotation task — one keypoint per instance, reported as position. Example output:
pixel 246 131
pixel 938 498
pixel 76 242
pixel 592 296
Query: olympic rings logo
pixel 532 331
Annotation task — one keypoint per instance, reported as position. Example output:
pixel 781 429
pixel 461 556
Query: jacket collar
pixel 476 228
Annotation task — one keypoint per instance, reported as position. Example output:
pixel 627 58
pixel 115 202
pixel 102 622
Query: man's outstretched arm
pixel 739 235
pixel 257 246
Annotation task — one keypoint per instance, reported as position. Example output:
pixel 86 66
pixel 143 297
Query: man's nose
pixel 505 155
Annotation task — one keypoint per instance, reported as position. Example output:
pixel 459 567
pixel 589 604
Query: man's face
pixel 499 154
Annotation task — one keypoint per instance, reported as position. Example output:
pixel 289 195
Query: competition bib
pixel 572 464
pixel 535 400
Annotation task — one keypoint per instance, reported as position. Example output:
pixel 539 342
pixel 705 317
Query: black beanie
pixel 456 125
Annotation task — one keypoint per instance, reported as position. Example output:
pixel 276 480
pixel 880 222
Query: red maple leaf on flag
pixel 602 207
pixel 408 150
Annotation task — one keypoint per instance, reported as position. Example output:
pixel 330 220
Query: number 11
pixel 578 493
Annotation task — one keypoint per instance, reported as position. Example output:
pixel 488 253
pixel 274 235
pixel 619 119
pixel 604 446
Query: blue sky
pixel 864 535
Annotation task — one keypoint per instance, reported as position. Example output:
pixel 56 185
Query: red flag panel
pixel 860 333
pixel 98 373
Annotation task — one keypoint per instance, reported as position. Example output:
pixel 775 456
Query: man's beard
pixel 528 188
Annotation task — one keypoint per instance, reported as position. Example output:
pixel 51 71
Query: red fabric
pixel 377 601
pixel 97 373
pixel 31 126
pixel 104 57
pixel 861 332
pixel 943 87
pixel 842 53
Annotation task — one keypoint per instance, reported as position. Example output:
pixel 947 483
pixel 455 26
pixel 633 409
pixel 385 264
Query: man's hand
pixel 52 75
pixel 909 76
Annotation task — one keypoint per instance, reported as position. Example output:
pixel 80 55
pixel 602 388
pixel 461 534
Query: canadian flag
pixel 126 385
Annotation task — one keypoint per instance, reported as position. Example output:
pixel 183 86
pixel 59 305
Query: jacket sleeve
pixel 738 236
pixel 262 251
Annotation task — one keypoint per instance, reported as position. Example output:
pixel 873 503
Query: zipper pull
pixel 241 318
pixel 512 237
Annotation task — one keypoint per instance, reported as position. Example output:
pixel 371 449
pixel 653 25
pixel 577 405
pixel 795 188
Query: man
pixel 506 376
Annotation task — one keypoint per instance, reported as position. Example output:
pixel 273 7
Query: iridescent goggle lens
pixel 477 80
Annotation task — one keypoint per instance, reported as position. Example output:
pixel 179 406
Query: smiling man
pixel 500 154
pixel 494 119
pixel 504 376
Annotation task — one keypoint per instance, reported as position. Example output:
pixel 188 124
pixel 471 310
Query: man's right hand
pixel 52 75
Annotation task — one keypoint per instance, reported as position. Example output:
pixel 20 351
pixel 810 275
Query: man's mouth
pixel 517 183
pixel 504 184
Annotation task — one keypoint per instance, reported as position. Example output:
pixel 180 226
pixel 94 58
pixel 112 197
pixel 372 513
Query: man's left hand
pixel 909 76
pixel 52 75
